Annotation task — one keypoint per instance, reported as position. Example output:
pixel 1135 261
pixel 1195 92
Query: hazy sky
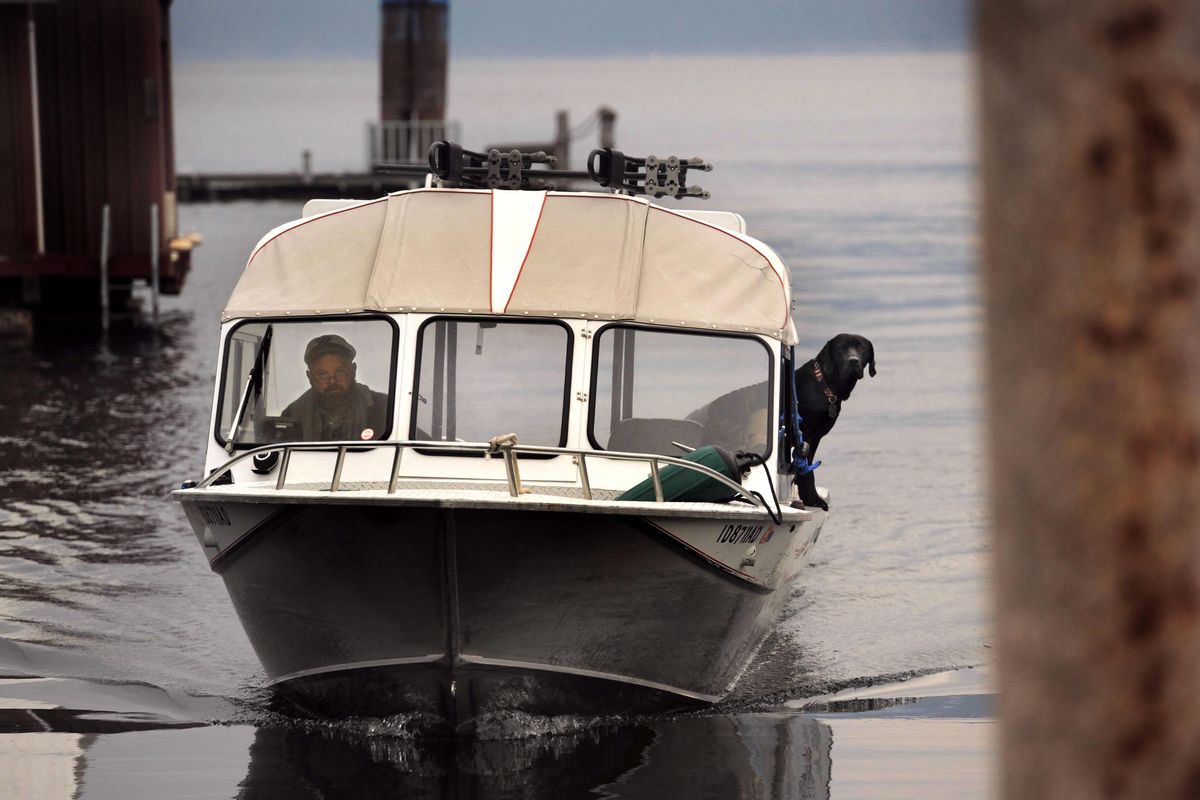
pixel 276 29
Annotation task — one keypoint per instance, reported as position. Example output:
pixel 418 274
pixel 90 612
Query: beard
pixel 334 399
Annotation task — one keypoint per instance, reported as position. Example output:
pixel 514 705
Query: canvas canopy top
pixel 520 253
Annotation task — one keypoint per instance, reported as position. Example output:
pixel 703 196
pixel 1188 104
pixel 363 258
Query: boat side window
pixel 652 389
pixel 297 381
pixel 480 378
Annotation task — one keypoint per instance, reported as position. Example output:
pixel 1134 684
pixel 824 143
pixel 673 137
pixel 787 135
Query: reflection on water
pixel 85 432
pixel 763 756
pixel 92 560
pixel 925 737
pixel 768 756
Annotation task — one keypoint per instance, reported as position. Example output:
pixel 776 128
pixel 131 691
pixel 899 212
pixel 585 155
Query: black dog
pixel 821 386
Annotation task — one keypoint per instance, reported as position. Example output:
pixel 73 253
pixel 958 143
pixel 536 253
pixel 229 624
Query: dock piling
pixel 154 250
pixel 105 231
pixel 608 124
pixel 36 125
pixel 562 140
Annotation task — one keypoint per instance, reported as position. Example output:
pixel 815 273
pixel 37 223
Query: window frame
pixel 564 429
pixel 772 429
pixel 224 372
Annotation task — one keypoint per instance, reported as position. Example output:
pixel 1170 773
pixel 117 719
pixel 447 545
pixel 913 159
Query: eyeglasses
pixel 325 378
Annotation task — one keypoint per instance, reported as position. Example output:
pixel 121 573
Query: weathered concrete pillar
pixel 1090 136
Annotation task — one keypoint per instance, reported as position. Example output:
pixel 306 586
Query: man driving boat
pixel 336 407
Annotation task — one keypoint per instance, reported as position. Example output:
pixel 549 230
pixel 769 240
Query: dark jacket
pixel 366 409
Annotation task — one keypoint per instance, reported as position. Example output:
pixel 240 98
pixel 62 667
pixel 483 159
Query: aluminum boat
pixel 481 448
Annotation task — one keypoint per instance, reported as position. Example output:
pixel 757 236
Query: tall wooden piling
pixel 1090 134
pixel 413 49
pixel 412 60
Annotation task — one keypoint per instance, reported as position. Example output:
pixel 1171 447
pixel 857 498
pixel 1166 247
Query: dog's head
pixel 843 359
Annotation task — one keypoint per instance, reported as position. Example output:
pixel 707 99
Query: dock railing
pixel 505 447
pixel 402 140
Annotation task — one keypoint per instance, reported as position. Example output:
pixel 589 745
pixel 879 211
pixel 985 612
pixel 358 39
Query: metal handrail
pixel 502 445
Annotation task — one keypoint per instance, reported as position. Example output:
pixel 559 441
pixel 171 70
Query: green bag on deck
pixel 684 485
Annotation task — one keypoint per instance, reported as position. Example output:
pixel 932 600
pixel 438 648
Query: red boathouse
pixel 85 124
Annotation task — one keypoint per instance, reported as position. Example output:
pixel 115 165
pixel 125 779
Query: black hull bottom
pixel 455 613
pixel 471 691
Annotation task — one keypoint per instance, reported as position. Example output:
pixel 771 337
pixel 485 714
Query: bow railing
pixel 505 447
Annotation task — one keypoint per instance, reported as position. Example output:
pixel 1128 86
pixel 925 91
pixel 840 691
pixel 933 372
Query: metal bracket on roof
pixel 455 166
pixel 504 169
pixel 653 176
pixel 452 166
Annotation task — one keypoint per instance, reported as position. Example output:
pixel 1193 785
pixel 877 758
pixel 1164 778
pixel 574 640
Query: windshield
pixel 655 390
pixel 319 381
pixel 479 379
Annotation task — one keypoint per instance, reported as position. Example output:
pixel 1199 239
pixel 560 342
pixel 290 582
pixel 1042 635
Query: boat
pixel 488 445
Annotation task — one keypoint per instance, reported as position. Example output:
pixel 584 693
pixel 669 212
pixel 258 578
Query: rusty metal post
pixel 1090 165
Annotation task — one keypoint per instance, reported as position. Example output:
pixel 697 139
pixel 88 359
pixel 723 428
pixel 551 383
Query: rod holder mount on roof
pixel 650 175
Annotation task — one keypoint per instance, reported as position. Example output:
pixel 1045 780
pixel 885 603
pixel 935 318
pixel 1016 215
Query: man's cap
pixel 329 343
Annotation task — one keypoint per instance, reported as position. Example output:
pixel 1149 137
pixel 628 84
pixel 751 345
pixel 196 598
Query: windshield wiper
pixel 253 385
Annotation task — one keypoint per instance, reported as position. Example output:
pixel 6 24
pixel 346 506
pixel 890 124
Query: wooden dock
pixel 216 187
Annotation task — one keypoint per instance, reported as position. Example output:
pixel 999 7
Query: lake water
pixel 858 170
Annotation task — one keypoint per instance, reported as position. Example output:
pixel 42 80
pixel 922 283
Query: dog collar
pixel 829 395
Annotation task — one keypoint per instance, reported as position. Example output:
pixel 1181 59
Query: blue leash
pixel 799 464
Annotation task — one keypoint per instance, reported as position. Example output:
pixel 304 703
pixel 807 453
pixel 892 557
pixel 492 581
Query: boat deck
pixel 442 486
pixel 462 494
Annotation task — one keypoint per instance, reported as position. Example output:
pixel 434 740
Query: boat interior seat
pixel 655 435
